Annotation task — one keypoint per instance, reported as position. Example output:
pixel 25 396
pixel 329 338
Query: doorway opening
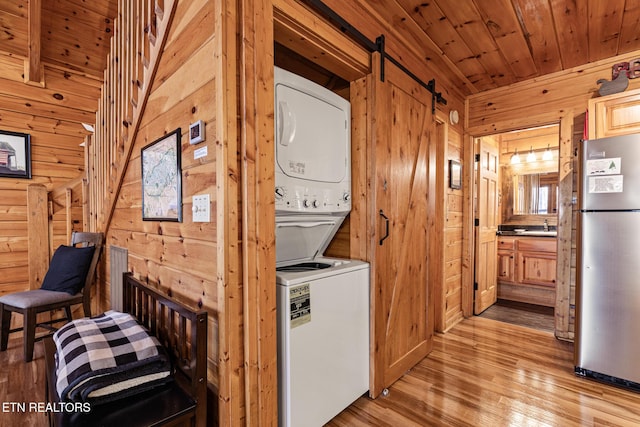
pixel 516 207
pixel 523 314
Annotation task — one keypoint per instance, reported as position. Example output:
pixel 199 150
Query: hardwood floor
pixel 517 313
pixel 22 384
pixel 489 373
pixel 481 373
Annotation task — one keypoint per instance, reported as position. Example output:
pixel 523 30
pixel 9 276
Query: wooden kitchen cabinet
pixel 527 269
pixel 506 259
pixel 612 115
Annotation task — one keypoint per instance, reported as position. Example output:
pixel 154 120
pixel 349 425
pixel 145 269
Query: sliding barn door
pixel 486 287
pixel 402 127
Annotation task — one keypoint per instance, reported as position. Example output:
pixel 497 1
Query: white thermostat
pixel 196 132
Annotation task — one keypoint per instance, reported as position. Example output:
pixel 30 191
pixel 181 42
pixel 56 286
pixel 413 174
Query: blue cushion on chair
pixel 68 269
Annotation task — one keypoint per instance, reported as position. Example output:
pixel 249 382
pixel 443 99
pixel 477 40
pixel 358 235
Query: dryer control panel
pixel 310 199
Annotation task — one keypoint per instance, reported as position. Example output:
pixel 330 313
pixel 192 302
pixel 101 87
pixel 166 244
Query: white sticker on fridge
pixel 611 166
pixel 605 184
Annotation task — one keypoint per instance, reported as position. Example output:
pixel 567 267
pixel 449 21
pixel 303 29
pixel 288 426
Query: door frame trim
pixel 565 120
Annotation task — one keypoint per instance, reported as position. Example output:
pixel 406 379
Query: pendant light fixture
pixel 515 159
pixel 547 155
pixel 531 157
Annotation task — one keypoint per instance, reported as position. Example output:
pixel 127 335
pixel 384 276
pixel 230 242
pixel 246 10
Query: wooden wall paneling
pixel 16 27
pixel 157 252
pixel 62 155
pixel 499 109
pixel 468 215
pixel 38 233
pixel 47 95
pixel 55 159
pixel 258 213
pixel 81 85
pixel 84 55
pixel 129 217
pixel 454 236
pixel 360 135
pixel 437 207
pixel 56 112
pixel 565 229
pixel 11 68
pixel 13 223
pixel 32 124
pixel 231 382
pixel 297 28
pixel 578 126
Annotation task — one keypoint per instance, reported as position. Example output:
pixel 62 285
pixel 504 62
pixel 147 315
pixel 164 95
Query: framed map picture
pixel 15 155
pixel 162 179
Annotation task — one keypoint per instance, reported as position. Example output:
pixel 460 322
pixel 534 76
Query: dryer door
pixel 312 135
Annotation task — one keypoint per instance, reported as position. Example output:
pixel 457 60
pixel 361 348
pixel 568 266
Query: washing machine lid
pixel 303 237
pixel 313 136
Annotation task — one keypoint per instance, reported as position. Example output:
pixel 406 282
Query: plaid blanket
pixel 107 357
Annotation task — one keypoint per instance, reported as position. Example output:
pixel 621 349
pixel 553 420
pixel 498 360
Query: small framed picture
pixel 15 155
pixel 455 174
pixel 162 179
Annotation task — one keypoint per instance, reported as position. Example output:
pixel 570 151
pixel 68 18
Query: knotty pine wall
pixel 453 234
pixel 56 158
pixel 541 101
pixel 180 258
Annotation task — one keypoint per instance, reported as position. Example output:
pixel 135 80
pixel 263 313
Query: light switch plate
pixel 201 208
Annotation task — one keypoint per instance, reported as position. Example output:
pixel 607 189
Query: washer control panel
pixel 309 199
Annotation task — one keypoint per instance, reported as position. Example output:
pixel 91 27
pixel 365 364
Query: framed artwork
pixel 15 155
pixel 455 174
pixel 162 179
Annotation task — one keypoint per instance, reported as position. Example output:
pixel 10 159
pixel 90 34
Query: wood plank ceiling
pixel 53 54
pixel 493 43
pixel 485 43
pixel 75 34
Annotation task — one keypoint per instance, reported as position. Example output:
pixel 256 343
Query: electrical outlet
pixel 201 208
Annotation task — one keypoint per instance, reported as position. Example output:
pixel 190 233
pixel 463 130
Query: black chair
pixel 67 283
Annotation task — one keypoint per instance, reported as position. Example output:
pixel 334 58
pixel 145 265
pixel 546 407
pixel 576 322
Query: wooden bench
pixel 182 402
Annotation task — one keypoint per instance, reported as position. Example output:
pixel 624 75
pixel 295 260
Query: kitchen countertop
pixel 527 230
pixel 528 233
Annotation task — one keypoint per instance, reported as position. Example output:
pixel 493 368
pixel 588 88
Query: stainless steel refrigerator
pixel 608 286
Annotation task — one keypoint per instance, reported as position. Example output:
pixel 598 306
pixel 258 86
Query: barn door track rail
pixel 377 46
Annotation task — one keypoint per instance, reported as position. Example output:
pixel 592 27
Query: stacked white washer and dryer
pixel 322 303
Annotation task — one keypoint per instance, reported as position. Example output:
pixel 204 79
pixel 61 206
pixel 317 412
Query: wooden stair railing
pixel 140 31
